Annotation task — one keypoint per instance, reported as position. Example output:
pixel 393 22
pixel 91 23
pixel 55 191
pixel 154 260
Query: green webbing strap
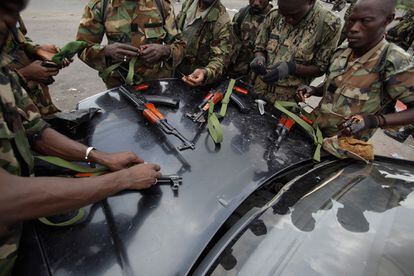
pixel 131 71
pixel 76 168
pixel 79 216
pixel 226 98
pixel 313 131
pixel 214 126
pixel 105 73
pixel 71 166
pixel 69 51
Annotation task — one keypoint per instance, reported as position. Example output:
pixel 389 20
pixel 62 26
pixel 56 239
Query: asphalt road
pixel 56 21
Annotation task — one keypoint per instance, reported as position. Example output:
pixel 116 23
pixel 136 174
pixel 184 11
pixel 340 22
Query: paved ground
pixel 57 21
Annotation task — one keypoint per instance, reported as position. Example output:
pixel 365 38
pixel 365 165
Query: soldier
pixel 293 47
pixel 143 29
pixel 205 25
pixel 402 34
pixel 366 77
pixel 21 130
pixel 245 27
pixel 27 59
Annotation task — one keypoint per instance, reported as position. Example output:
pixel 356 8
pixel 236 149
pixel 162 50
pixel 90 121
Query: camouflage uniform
pixel 346 21
pixel 207 35
pixel 245 27
pixel 19 117
pixel 311 42
pixel 133 22
pixel 403 33
pixel 21 50
pixel 355 86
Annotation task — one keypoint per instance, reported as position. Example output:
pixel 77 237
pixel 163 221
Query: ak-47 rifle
pixel 154 116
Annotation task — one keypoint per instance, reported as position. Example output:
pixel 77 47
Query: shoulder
pixel 240 13
pixel 330 20
pixel 218 16
pixel 95 4
pixel 273 13
pixel 398 59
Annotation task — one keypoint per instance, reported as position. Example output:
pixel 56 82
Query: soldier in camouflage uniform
pixel 293 47
pixel 402 34
pixel 27 62
pixel 366 77
pixel 144 29
pixel 245 27
pixel 205 25
pixel 21 129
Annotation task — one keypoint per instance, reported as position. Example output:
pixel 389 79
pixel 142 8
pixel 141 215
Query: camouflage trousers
pixel 272 93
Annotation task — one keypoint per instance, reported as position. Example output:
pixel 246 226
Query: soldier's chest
pixel 297 42
pixel 250 27
pixel 135 22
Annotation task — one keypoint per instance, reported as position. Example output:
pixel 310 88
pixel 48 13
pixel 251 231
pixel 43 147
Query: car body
pixel 158 231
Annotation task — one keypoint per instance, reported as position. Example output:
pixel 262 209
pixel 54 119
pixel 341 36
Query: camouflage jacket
pixel 245 27
pixel 402 34
pixel 19 117
pixel 133 22
pixel 21 51
pixel 311 42
pixel 207 38
pixel 366 85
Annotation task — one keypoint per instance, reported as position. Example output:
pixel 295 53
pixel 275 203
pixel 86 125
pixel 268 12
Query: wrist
pixel 96 156
pixel 123 178
pixel 291 67
pixel 168 52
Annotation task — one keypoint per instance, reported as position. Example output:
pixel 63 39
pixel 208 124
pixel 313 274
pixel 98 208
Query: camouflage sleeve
pixel 32 120
pixel 173 38
pixel 91 29
pixel 263 36
pixel 30 46
pixel 400 76
pixel 219 51
pixel 330 38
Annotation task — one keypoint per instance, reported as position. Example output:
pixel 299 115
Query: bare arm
pixel 53 143
pixel 405 117
pixel 24 198
pixel 310 71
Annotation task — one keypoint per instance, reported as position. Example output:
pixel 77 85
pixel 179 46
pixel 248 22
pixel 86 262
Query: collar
pixel 213 12
pixel 364 58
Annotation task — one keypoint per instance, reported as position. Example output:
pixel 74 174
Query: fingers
pixel 135 159
pixel 127 47
pixel 188 81
pixel 51 71
pixel 127 53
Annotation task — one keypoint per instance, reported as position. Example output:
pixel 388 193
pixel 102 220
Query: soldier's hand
pixel 279 71
pixel 304 92
pixel 258 65
pixel 143 176
pixel 358 123
pixel 196 78
pixel 116 161
pixel 151 53
pixel 36 72
pixel 120 51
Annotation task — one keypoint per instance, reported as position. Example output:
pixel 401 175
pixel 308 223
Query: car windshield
pixel 358 220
